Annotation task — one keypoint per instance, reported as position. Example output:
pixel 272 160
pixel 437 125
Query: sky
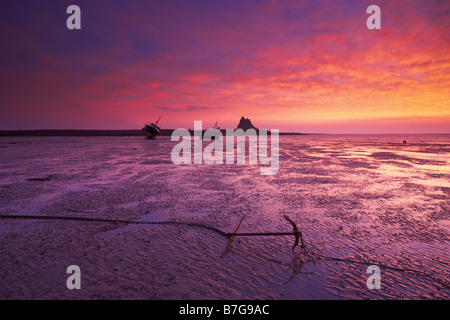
pixel 303 66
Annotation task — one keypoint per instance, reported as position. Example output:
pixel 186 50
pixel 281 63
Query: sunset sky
pixel 304 66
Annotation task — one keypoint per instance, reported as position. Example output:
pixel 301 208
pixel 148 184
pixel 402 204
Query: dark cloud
pixel 76 106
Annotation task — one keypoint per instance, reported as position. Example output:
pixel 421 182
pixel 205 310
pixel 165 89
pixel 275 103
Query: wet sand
pixel 367 198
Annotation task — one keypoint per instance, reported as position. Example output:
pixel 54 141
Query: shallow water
pixel 369 198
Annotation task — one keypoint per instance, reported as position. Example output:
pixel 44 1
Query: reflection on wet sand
pixel 369 198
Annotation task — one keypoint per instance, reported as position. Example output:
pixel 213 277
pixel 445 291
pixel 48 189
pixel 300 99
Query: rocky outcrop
pixel 246 124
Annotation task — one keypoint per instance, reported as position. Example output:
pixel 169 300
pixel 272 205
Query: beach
pixel 367 198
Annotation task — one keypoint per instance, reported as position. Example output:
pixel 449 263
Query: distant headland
pixel 244 124
pixel 94 133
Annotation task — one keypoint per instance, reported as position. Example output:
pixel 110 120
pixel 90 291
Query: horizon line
pixel 2 131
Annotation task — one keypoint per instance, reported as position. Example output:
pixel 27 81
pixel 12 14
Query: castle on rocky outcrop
pixel 246 124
